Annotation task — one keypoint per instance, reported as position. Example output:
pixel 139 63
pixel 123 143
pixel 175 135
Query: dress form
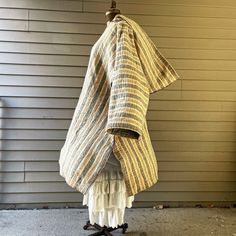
pixel 107 197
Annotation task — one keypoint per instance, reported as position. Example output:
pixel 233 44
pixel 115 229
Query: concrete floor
pixel 141 221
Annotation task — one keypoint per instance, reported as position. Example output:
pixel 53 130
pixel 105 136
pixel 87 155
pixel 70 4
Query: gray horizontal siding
pixel 142 197
pixel 33 166
pixel 44 52
pixel 186 156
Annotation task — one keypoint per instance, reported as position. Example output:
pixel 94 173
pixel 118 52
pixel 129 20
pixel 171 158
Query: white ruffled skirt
pixel 107 197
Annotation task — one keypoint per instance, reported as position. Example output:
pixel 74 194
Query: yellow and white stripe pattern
pixel 124 68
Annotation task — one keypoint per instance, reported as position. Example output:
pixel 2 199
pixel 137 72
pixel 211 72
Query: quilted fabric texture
pixel 124 68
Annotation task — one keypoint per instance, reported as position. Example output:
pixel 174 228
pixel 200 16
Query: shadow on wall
pixel 4 177
pixel 1 148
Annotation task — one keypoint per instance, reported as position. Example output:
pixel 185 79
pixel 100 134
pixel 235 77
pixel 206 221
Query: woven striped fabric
pixel 124 68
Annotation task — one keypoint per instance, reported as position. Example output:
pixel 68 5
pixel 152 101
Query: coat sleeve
pixel 129 94
pixel 157 69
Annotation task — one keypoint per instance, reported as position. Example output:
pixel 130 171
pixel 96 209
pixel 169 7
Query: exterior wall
pixel 44 51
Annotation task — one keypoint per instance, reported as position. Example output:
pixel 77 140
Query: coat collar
pixel 119 17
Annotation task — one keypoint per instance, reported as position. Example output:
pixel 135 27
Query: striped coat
pixel 124 68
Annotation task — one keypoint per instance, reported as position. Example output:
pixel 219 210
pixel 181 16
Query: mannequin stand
pixel 105 230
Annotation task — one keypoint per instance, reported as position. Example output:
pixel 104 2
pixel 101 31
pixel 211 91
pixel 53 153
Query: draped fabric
pixel 107 197
pixel 124 68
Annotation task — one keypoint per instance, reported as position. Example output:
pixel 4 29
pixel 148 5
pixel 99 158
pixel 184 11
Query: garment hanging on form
pixel 124 68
